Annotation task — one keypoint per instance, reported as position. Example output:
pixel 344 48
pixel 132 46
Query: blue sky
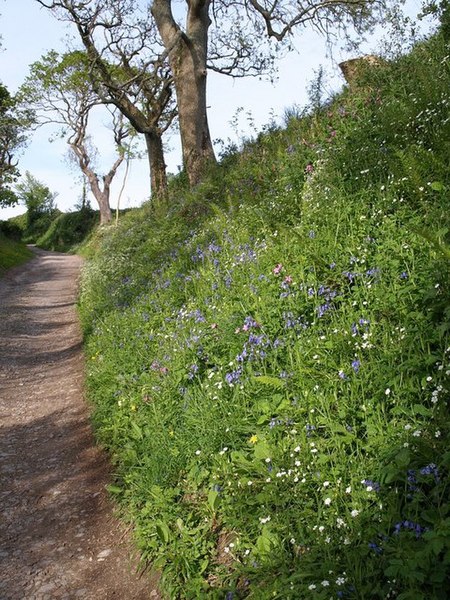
pixel 29 31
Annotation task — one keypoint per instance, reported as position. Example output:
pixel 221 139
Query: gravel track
pixel 59 538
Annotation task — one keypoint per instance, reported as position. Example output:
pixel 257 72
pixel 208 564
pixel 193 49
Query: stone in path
pixel 59 538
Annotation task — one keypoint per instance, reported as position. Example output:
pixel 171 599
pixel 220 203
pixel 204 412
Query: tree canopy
pixel 12 138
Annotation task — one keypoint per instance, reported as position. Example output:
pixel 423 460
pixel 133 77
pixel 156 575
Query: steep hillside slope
pixel 269 358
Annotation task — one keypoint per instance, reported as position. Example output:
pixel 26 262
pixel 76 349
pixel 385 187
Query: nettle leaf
pixel 284 405
pixel 263 420
pixel 403 458
pixel 264 406
pixel 390 474
pixel 437 186
pixel 240 460
pixel 263 545
pixel 437 545
pixel 266 542
pixel 198 474
pixel 136 432
pixel 419 409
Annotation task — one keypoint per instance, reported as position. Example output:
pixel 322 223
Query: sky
pixel 28 31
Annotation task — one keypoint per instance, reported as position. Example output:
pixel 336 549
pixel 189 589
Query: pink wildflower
pixel 277 270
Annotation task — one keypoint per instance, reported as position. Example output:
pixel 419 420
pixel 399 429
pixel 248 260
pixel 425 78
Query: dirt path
pixel 58 536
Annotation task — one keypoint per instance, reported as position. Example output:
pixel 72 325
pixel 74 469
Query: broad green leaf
pixel 403 458
pixel 163 531
pixel 419 409
pixel 213 500
pixel 266 542
pixel 136 431
pixel 262 450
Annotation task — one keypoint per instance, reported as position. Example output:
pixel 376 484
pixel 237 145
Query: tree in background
pixel 12 139
pixel 40 204
pixel 234 38
pixel 60 91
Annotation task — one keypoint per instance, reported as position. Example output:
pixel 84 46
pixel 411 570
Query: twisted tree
pixel 61 93
pixel 128 68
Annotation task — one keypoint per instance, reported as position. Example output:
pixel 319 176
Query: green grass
pixel 269 355
pixel 12 253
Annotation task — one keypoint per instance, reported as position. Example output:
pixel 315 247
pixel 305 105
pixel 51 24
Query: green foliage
pixel 12 252
pixel 269 361
pixel 11 230
pixel 40 204
pixel 11 139
pixel 69 230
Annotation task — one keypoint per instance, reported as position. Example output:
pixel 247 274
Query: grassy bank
pixel 269 357
pixel 12 253
pixel 69 230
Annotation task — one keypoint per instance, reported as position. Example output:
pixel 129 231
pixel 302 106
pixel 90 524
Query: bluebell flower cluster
pixel 375 547
pixel 409 526
pixel 361 327
pixel 431 469
pixel 193 370
pixel 233 377
pixel 373 485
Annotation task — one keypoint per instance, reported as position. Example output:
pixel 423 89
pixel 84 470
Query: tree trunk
pixel 102 197
pixel 139 119
pixel 158 176
pixel 105 210
pixel 187 54
pixel 190 86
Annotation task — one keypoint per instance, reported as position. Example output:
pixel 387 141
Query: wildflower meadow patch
pixel 272 379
